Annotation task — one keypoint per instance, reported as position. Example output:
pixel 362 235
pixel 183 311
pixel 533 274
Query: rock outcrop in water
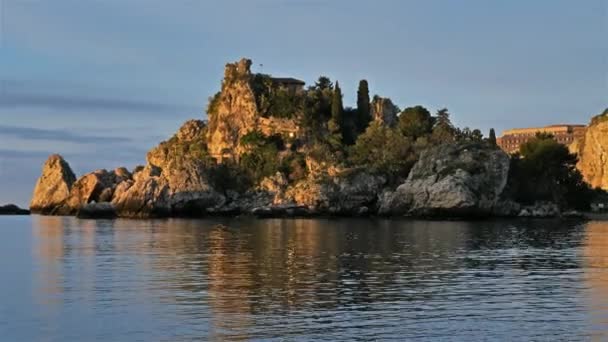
pixel 452 180
pixel 174 182
pixel 592 151
pixel 11 209
pixel 292 159
pixel 53 186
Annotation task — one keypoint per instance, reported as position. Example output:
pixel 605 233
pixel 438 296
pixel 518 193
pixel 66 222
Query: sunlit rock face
pixel 175 180
pixel 451 179
pixel 54 185
pixel 592 151
pixel 234 112
pixel 384 111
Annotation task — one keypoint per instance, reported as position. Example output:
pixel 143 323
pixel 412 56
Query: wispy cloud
pixel 30 133
pixel 77 102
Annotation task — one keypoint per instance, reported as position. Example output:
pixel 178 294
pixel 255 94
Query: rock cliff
pixel 452 180
pixel 592 151
pixel 384 111
pixel 53 186
pixel 175 180
pixel 233 112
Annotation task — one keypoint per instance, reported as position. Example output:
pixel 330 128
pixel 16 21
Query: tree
pixel 336 123
pixel 476 135
pixel 261 159
pixel 323 83
pixel 546 171
pixel 492 138
pixel 443 131
pixel 350 128
pixel 415 122
pixel 467 134
pixel 384 150
pixel 363 106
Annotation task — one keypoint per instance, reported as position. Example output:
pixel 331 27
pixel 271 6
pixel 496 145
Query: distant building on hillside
pixel 292 84
pixel 512 139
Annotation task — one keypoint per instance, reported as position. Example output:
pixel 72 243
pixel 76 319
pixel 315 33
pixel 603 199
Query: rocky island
pixel 11 209
pixel 273 148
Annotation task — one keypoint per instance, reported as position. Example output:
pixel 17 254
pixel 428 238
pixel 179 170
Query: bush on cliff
pixel 384 150
pixel 273 100
pixel 261 160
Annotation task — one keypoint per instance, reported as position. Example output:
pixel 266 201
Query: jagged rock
pixel 121 174
pixel 11 209
pixel 453 180
pixel 384 111
pixel 275 186
pixel 234 112
pixel 92 187
pixel 186 144
pixel 145 197
pixel 175 181
pixel 592 151
pixel 96 210
pixel 53 186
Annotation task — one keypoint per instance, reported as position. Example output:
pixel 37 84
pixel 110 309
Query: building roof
pixel 550 128
pixel 288 80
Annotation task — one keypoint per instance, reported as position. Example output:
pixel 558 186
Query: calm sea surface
pixel 64 279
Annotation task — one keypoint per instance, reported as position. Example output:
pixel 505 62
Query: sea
pixel 247 279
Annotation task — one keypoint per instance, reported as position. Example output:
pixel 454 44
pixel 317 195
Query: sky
pixel 103 81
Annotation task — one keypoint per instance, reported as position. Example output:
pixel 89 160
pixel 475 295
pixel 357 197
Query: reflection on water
pixel 596 274
pixel 312 279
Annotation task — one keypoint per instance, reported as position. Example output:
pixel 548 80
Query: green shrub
pixel 545 170
pixel 384 150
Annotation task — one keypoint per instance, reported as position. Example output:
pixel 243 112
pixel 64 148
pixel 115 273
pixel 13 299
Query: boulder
pixel 53 187
pixel 96 186
pixel 460 179
pixel 346 194
pixel 144 196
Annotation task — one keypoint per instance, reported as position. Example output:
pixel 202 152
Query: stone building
pixel 512 139
pixel 292 84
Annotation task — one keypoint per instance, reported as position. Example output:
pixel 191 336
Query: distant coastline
pixel 12 209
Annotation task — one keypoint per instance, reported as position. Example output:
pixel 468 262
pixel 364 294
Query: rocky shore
pixel 455 180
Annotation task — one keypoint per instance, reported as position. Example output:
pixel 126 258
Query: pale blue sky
pixel 102 81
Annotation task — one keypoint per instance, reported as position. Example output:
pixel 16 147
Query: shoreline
pixel 583 217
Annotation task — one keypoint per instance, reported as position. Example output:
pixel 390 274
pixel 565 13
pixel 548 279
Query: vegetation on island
pixel 544 170
pixel 345 138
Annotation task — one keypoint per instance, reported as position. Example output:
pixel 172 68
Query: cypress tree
pixel 337 110
pixel 492 138
pixel 336 123
pixel 363 106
